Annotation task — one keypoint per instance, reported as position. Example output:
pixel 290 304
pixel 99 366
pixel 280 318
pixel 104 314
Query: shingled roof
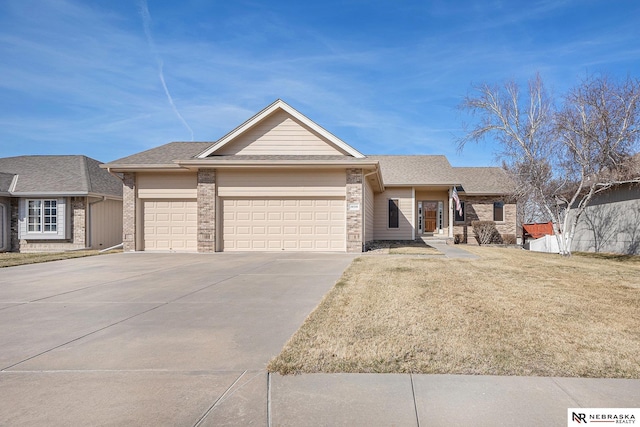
pixel 165 154
pixel 484 180
pixel 62 175
pixel 415 170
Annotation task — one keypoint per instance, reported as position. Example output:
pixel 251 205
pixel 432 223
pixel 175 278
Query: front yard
pixel 511 312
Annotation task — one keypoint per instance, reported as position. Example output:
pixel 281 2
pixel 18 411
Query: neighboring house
pixel 611 222
pixel 58 203
pixel 281 182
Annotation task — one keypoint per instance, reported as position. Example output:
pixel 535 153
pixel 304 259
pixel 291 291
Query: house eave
pixel 118 168
pixel 229 164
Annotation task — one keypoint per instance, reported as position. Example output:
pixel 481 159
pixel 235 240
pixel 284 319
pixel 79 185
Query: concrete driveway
pixel 151 339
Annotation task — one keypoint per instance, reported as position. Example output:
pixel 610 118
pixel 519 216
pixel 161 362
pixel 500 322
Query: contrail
pixel 146 22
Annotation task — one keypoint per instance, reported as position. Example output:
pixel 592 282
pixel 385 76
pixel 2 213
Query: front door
pixel 430 216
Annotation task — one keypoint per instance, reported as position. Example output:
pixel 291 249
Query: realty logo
pixel 602 415
pixel 579 418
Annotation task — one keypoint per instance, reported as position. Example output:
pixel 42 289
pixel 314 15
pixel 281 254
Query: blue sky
pixel 112 78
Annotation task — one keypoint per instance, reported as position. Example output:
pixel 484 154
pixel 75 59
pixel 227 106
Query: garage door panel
pixel 284 224
pixel 170 225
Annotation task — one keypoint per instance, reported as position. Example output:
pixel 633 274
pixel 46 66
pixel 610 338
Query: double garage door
pixel 250 225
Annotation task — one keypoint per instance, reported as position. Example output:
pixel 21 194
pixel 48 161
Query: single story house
pixel 58 203
pixel 281 182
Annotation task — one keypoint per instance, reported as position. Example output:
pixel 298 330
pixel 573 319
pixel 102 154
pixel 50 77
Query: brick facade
pixel 480 208
pixel 78 221
pixel 206 210
pixel 354 216
pixel 129 211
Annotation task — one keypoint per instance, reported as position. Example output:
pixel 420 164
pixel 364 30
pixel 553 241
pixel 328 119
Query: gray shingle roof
pixel 164 154
pixel 60 174
pixel 484 180
pixel 396 170
pixel 415 170
pixel 5 181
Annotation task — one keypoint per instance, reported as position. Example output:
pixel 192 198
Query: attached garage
pixel 171 225
pixel 282 224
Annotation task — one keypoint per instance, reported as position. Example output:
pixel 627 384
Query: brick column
pixel 78 223
pixel 354 210
pixel 129 211
pixel 206 210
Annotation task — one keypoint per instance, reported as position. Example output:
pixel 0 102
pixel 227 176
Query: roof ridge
pixel 87 175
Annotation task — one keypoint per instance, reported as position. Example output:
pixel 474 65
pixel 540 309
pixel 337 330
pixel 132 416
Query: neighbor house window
pixel 458 216
pixel 393 214
pixel 42 216
pixel 498 211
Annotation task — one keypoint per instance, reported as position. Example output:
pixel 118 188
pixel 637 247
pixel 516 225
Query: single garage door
pixel 171 225
pixel 284 224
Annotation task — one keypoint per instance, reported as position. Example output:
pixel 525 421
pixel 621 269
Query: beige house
pixel 280 182
pixel 58 203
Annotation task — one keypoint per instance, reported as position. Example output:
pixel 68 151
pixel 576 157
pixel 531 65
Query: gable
pixel 281 130
pixel 280 134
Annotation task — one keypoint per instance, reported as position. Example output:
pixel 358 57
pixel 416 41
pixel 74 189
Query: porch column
pixel 450 212
pixel 206 210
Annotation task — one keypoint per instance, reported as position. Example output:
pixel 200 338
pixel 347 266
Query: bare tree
pixel 560 158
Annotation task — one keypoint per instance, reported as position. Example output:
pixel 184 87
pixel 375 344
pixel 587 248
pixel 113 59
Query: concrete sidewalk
pixel 413 400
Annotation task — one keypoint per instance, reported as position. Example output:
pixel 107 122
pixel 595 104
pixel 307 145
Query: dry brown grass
pixel 10 259
pixel 511 312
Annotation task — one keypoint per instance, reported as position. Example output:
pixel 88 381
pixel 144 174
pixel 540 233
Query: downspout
pixel 364 205
pixel 121 179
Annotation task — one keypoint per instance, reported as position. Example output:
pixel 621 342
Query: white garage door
pixel 170 225
pixel 284 224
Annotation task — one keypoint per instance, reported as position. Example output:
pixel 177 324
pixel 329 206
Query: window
pixel 42 216
pixel 457 216
pixel 498 211
pixel 393 214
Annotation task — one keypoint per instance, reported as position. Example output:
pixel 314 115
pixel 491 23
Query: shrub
pixel 458 238
pixel 509 239
pixel 486 232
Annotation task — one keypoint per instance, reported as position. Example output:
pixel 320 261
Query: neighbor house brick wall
pixel 129 211
pixel 480 208
pixel 354 216
pixel 206 210
pixel 78 221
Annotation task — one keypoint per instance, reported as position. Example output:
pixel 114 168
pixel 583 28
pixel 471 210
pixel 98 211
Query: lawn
pixel 11 259
pixel 510 312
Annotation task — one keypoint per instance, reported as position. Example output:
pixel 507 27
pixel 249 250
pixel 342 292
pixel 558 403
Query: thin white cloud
pixel 146 22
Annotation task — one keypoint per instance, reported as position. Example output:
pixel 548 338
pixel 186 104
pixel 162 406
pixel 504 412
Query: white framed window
pixel 42 216
pixel 42 219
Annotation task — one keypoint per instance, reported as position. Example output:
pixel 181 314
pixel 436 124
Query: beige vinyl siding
pixel 369 202
pixel 281 183
pixel 284 224
pixel 381 215
pixel 280 134
pixel 167 185
pixel 105 224
pixel 170 225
